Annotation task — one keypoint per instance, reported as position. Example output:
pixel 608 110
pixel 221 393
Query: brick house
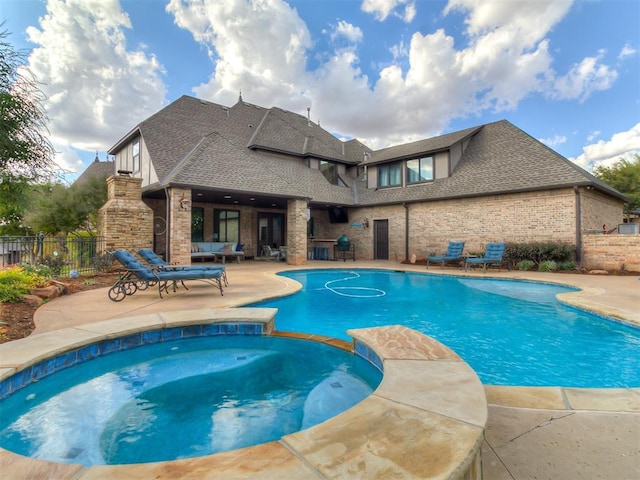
pixel 266 176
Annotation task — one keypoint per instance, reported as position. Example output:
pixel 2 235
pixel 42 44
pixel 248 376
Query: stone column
pixel 296 232
pixel 125 221
pixel 179 226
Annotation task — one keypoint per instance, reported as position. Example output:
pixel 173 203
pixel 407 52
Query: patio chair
pixel 493 254
pixel 452 255
pixel 269 253
pixel 155 261
pixel 140 277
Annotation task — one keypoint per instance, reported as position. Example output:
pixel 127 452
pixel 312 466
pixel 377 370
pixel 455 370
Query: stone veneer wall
pixel 611 252
pixel 179 227
pixel 296 232
pixel 125 221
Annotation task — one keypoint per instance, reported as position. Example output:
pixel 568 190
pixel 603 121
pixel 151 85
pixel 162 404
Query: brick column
pixel 125 221
pixel 296 232
pixel 180 226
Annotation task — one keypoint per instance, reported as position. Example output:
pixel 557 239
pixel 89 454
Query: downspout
pixel 167 241
pixel 576 190
pixel 406 231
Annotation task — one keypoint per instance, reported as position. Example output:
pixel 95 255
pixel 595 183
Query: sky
pixel 382 71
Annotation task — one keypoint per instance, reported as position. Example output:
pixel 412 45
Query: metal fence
pixel 61 254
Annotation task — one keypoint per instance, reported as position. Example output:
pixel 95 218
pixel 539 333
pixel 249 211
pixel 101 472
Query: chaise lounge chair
pixel 140 277
pixel 492 255
pixel 453 255
pixel 155 261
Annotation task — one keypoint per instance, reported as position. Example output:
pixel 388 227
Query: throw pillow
pixel 239 247
pixel 195 248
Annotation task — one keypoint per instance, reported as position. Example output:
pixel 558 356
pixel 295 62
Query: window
pixel 197 224
pixel 390 175
pixel 136 155
pixel 226 226
pixel 330 171
pixel 420 170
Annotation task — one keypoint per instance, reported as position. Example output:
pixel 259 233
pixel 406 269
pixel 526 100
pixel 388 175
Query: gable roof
pixel 96 169
pixel 247 148
pixel 420 147
pixel 500 158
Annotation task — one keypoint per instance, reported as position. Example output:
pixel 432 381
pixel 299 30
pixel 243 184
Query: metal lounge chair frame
pixel 493 254
pixel 137 276
pixel 155 261
pixel 452 255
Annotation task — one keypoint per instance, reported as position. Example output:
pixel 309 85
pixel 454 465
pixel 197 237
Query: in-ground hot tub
pixel 427 398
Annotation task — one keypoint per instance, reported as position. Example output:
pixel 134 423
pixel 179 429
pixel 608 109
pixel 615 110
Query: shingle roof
pixel 287 132
pixel 96 169
pixel 428 145
pixel 500 158
pixel 247 148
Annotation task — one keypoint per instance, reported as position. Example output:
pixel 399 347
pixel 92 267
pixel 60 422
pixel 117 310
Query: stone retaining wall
pixel 611 252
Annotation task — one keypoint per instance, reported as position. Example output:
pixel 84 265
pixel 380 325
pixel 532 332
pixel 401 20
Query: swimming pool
pixel 510 332
pixel 180 398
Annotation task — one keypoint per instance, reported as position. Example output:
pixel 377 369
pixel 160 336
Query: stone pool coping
pixel 426 418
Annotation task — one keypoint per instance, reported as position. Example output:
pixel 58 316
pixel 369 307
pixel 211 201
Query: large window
pixel 226 226
pixel 390 175
pixel 330 171
pixel 420 170
pixel 136 155
pixel 197 224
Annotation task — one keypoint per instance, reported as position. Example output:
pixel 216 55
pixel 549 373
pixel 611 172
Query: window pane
pixel 390 175
pixel 226 226
pixel 395 174
pixel 426 169
pixel 197 224
pixel 420 170
pixel 329 170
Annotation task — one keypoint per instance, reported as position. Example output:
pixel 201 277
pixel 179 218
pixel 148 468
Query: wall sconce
pixel 365 223
pixel 185 203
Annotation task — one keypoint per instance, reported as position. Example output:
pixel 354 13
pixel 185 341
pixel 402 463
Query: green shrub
pixel 548 266
pixel 538 252
pixel 570 265
pixel 16 281
pixel 525 264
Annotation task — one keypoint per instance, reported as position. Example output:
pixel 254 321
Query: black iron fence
pixel 60 254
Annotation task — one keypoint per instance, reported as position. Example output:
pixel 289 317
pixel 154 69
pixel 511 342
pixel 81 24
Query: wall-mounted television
pixel 338 215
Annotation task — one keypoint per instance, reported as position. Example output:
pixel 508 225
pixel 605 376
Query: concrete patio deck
pixel 541 433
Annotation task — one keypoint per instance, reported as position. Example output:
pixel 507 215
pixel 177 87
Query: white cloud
pixel 257 46
pixel 593 135
pixel 348 31
pixel 381 9
pixel 554 141
pixel 605 153
pixel 626 52
pixel 583 79
pixel 90 78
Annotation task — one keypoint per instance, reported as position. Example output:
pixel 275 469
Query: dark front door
pixel 381 239
pixel 270 230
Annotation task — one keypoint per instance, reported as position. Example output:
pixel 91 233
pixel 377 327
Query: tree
pixel 68 210
pixel 25 150
pixel 624 176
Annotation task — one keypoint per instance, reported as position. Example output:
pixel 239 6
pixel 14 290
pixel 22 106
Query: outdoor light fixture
pixel 185 203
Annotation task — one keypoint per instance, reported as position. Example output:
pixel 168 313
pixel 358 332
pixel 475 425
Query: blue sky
pixel 383 71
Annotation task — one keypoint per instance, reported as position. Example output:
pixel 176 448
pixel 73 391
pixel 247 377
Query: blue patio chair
pixel 140 277
pixel 493 254
pixel 453 255
pixel 155 261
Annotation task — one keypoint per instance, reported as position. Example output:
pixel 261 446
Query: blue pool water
pixel 182 399
pixel 510 332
